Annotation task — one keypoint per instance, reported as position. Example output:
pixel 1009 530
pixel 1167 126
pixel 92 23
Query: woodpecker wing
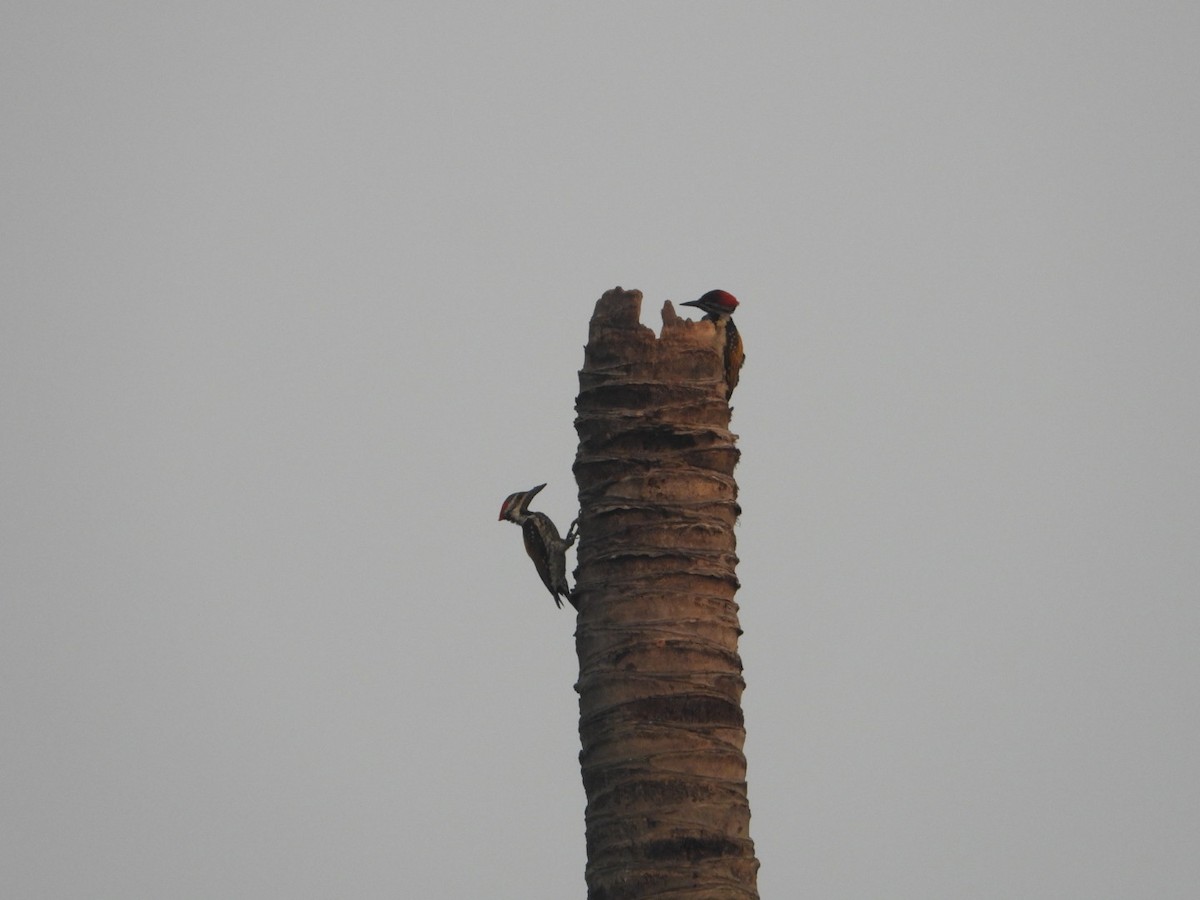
pixel 549 554
pixel 735 355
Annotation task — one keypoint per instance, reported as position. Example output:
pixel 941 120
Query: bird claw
pixel 571 533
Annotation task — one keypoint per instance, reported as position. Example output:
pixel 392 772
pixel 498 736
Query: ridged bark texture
pixel 660 681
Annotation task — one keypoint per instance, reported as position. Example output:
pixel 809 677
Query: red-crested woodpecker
pixel 718 307
pixel 542 542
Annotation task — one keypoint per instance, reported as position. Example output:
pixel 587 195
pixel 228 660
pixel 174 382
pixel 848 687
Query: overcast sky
pixel 294 294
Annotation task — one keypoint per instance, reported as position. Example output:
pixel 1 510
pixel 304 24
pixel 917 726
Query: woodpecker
pixel 547 550
pixel 718 307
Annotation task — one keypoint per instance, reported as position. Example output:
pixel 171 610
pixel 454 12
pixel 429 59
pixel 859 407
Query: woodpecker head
pixel 516 505
pixel 715 303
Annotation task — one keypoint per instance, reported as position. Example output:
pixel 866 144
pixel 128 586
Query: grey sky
pixel 295 294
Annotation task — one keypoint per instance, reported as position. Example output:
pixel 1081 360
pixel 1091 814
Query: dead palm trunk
pixel 660 682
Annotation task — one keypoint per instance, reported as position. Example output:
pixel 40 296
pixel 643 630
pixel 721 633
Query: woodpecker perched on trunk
pixel 718 307
pixel 542 542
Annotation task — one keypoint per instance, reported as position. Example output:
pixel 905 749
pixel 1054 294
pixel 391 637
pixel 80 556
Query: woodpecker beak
pixel 528 497
pixel 518 501
pixel 690 303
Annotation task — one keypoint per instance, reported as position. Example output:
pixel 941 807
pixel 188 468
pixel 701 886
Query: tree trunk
pixel 660 682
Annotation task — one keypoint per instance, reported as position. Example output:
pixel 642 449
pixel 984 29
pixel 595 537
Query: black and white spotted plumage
pixel 545 546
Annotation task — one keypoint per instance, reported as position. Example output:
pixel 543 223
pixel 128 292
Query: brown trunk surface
pixel 660 683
